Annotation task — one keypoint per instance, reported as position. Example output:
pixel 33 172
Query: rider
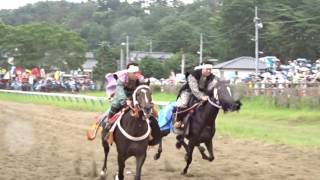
pixel 124 90
pixel 197 84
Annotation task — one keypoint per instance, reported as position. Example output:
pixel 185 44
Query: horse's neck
pixel 133 125
pixel 209 112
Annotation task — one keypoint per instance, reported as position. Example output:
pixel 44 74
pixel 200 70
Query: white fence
pixel 70 97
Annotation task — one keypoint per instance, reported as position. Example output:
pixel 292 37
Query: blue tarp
pixel 165 117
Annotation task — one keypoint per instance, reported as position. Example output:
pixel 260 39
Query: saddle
pixel 185 130
pixel 155 129
pixel 114 117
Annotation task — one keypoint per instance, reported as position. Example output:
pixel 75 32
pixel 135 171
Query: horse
pixel 132 133
pixel 202 124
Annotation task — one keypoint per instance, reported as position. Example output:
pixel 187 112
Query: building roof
pixel 241 63
pixel 89 55
pixel 138 55
pixel 89 64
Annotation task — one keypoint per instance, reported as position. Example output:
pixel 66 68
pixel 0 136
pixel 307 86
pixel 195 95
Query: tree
pixel 175 35
pixel 235 28
pixel 131 26
pixel 107 5
pixel 174 63
pixel 44 45
pixel 107 61
pixel 290 27
pixel 292 31
pixel 153 68
pixel 94 33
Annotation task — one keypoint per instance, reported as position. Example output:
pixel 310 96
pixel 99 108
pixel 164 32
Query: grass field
pixel 258 119
pixel 155 96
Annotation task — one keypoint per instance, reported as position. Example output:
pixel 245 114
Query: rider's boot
pixel 106 124
pixel 179 118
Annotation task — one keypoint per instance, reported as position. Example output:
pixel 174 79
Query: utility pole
pixel 127 49
pixel 150 48
pixel 182 62
pixel 256 24
pixel 121 59
pixel 201 48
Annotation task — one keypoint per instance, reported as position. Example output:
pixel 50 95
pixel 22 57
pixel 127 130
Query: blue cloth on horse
pixel 165 117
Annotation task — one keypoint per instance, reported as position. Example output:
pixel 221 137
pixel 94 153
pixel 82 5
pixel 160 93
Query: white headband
pixel 206 66
pixel 133 69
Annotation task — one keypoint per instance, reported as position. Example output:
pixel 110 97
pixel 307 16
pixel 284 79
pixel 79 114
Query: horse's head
pixel 143 100
pixel 223 96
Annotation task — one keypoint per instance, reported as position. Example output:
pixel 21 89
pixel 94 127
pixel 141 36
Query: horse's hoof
pixel 103 174
pixel 116 177
pixel 156 156
pixel 202 149
pixel 211 159
pixel 184 173
pixel 178 145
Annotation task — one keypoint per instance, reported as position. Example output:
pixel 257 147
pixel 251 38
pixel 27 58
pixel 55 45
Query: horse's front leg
pixel 209 147
pixel 158 154
pixel 139 163
pixel 121 166
pixel 181 142
pixel 188 156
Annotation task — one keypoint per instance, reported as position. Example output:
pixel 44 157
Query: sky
pixel 14 4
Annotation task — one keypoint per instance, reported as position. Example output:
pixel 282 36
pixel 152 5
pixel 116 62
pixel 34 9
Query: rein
pixel 198 103
pixel 214 104
pixel 190 108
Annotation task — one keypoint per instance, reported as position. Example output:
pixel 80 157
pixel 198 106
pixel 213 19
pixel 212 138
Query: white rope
pixel 128 136
pixel 132 138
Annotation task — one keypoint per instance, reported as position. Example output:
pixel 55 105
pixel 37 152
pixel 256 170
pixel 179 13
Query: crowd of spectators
pixel 300 72
pixel 37 79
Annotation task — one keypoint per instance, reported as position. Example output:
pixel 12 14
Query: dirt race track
pixel 42 142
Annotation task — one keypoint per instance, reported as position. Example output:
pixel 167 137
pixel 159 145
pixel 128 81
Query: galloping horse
pixel 131 133
pixel 202 123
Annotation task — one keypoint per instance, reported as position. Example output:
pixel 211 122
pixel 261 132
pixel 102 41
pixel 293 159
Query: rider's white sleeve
pixel 213 84
pixel 193 84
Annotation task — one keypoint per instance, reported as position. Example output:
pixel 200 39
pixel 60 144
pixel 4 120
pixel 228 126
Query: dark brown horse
pixel 202 124
pixel 132 133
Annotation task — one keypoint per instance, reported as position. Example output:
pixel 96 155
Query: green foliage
pixel 290 27
pixel 43 45
pixel 107 61
pixel 176 35
pixel 236 29
pixel 174 63
pixel 298 35
pixel 153 68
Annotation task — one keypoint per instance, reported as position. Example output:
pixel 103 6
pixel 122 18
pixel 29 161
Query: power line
pixel 291 21
pixel 274 8
pixel 240 27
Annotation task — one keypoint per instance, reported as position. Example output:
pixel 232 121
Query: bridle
pixel 136 106
pixel 134 95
